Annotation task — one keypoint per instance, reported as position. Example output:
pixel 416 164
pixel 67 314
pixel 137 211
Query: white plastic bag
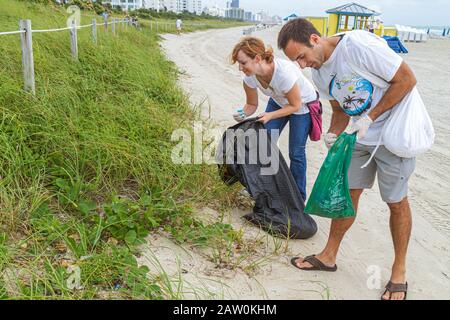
pixel 408 131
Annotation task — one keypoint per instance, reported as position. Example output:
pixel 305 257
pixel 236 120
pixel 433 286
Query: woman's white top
pixel 285 75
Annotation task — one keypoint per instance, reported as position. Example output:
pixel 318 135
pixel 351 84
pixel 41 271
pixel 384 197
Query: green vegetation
pixel 85 164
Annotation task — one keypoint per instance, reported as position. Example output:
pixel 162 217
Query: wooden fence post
pixel 74 40
pixel 94 31
pixel 105 20
pixel 26 41
pixel 113 26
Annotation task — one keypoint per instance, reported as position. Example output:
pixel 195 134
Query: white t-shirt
pixel 285 75
pixel 178 24
pixel 336 80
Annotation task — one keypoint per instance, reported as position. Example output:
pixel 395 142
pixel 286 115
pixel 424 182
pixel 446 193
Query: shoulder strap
pixel 374 79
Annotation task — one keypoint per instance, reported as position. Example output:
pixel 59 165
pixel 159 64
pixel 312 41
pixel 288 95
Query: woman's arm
pixel 294 98
pixel 252 100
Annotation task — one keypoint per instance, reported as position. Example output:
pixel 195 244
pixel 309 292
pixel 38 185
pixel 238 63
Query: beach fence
pixel 114 25
pixel 26 40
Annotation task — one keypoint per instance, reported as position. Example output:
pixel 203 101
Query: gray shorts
pixel 393 172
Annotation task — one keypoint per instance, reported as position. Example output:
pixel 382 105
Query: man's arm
pixel 339 119
pixel 402 83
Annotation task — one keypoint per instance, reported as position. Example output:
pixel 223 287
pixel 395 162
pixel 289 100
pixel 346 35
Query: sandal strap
pixel 314 261
pixel 397 287
pixel 318 264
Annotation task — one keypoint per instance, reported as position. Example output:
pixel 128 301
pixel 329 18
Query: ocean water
pixel 438 30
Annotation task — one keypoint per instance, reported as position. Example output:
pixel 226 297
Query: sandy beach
pixel 209 79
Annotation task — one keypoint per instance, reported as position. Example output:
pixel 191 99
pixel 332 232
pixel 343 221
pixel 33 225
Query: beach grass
pixel 86 171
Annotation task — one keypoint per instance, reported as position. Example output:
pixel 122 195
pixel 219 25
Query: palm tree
pixel 348 100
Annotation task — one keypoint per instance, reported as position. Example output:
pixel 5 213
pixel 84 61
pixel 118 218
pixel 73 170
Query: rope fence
pixel 50 30
pixel 12 32
pixel 25 31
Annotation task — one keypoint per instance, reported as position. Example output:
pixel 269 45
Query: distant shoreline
pixel 433 29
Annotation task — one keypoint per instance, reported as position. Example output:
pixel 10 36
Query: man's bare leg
pixel 401 225
pixel 337 232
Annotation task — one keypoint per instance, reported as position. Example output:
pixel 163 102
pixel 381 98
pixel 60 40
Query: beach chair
pixel 402 32
pixel 411 34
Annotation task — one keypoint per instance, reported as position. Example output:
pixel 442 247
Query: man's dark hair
pixel 298 30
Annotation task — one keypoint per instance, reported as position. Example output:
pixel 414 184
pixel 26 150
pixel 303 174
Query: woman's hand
pixel 265 117
pixel 239 115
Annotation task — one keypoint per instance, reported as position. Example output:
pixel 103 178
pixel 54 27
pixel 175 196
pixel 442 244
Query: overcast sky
pixel 407 12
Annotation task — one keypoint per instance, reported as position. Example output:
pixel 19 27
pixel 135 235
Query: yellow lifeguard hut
pixel 351 16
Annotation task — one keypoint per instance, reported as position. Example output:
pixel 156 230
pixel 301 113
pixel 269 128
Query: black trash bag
pixel 279 208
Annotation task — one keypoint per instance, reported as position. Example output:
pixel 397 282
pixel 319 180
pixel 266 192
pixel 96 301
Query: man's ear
pixel 258 59
pixel 314 39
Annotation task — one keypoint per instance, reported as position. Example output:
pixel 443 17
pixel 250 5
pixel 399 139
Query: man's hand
pixel 361 126
pixel 239 115
pixel 329 139
pixel 265 117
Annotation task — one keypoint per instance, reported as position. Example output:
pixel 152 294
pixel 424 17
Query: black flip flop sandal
pixel 317 265
pixel 395 287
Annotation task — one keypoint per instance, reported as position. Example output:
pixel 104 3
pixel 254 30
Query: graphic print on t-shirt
pixel 353 93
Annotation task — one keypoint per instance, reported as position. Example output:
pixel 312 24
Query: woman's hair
pixel 252 47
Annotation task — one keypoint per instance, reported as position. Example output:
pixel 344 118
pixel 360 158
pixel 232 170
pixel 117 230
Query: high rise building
pixel 153 4
pixel 195 6
pixel 178 6
pixel 126 5
pixel 234 3
pixel 248 16
pixel 215 11
pixel 235 13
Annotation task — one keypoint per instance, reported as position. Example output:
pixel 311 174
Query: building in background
pixel 215 11
pixel 235 13
pixel 248 16
pixel 277 19
pixel 257 17
pixel 154 4
pixel 178 6
pixel 125 5
pixel 195 6
pixel 263 16
pixel 234 4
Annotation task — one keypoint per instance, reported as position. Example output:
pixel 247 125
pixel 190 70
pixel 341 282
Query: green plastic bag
pixel 330 197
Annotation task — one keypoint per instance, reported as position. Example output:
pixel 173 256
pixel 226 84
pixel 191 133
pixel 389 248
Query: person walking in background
pixel 179 24
pixel 371 25
pixel 290 93
pixel 346 70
